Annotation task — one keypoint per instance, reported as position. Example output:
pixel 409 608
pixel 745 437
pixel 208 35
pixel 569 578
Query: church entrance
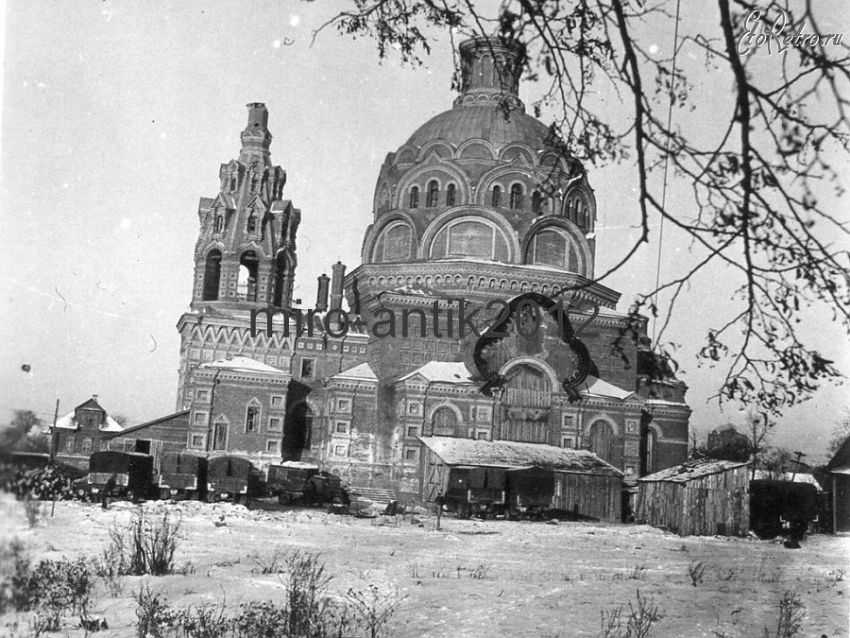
pixel 525 405
pixel 298 424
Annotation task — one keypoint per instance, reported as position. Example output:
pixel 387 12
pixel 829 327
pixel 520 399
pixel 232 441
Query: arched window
pixel 526 377
pixel 212 276
pixel 536 203
pixel 246 284
pixel 251 226
pixel 444 422
pixel 232 183
pixel 433 194
pixel 470 238
pixel 496 197
pixel 578 212
pixel 219 223
pixel 516 196
pixel 450 195
pixel 648 449
pixel 220 434
pixel 394 243
pixel 281 281
pixel 651 440
pixel 414 197
pixel 551 247
pixel 602 440
pixel 252 418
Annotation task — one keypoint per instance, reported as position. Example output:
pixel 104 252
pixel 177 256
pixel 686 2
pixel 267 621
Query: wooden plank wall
pixel 705 506
pixel 592 495
pixel 434 476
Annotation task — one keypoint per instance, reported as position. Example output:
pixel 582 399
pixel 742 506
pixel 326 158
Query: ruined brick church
pixel 480 203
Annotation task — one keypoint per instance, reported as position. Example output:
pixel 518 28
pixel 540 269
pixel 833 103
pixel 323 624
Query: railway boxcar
pixel 133 474
pixel 182 476
pixel 231 478
pixel 775 502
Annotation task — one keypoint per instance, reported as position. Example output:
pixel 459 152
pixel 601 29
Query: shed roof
pixel 516 455
pixel 147 424
pixel 692 470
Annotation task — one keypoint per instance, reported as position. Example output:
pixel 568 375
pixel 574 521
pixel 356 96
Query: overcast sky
pixel 116 116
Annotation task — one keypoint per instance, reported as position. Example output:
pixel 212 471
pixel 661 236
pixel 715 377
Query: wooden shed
pixel 575 481
pixel 700 498
pixel 838 486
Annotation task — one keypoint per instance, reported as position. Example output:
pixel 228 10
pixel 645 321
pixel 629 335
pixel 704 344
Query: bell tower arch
pixel 245 254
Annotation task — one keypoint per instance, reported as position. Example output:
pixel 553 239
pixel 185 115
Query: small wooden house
pixel 700 498
pixel 545 476
pixel 81 432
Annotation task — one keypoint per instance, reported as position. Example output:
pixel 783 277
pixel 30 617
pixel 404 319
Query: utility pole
pixel 53 456
pixel 53 434
pixel 796 464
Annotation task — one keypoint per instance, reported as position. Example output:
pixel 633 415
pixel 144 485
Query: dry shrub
pixel 146 547
pixel 634 620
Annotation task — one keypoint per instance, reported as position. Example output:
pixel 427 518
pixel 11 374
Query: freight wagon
pixel 231 478
pixel 182 476
pixel 127 474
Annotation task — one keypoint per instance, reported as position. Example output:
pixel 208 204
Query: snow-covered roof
pixel 362 372
pixel 840 461
pixel 111 425
pixel 690 470
pixel 299 465
pixel 516 455
pixel 594 387
pixel 242 364
pixel 67 422
pixel 442 371
pixel 798 477
pixel 664 402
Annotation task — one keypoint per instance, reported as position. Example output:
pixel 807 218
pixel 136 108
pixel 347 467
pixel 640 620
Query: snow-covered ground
pixel 472 578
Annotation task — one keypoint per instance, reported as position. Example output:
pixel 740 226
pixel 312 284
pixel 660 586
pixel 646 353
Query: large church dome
pixel 483 182
pixel 460 124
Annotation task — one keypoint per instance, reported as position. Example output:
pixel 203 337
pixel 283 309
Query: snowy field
pixel 471 578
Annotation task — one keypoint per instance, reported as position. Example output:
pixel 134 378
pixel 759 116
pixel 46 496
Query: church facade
pixel 479 208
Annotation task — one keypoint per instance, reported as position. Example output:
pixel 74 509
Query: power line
pixel 666 163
